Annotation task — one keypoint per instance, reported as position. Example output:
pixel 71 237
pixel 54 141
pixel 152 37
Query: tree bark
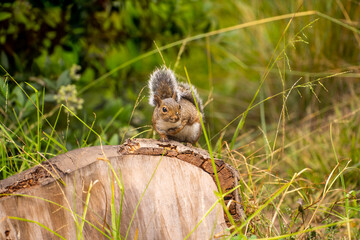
pixel 167 189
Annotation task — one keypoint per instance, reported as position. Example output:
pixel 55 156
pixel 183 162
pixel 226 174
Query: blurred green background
pixel 95 57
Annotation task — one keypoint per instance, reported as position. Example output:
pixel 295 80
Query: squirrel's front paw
pixel 164 139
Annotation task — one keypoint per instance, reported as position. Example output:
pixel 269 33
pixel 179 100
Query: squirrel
pixel 175 115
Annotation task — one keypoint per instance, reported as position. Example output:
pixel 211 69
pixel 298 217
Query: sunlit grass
pixel 314 149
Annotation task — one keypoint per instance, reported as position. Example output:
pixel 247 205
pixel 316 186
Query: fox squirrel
pixel 175 115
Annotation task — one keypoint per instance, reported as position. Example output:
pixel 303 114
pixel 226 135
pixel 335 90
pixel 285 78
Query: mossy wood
pixel 179 194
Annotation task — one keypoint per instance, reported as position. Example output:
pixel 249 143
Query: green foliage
pixel 73 74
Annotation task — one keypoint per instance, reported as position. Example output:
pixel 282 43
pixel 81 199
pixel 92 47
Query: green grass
pixel 290 125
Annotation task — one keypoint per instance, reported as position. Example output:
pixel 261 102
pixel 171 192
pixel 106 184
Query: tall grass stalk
pixel 61 145
pixel 115 217
pixel 220 193
pixel 138 100
pixel 86 204
pixel 263 124
pixel 90 128
pixel 342 182
pixel 88 135
pixel 39 224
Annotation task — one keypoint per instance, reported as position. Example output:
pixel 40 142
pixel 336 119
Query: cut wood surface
pixel 168 189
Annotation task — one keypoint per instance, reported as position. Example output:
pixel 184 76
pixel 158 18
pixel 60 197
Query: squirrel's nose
pixel 174 118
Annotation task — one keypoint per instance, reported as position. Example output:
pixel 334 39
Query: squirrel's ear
pixel 157 100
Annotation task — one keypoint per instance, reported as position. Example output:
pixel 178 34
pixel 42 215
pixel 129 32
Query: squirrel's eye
pixel 164 109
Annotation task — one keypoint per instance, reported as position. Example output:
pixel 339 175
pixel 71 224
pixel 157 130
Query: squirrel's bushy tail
pixel 163 84
pixel 185 92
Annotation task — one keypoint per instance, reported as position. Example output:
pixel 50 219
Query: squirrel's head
pixel 168 109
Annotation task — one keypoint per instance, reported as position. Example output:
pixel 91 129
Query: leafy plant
pixel 280 83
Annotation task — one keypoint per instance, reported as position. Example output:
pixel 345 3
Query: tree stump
pixel 167 190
